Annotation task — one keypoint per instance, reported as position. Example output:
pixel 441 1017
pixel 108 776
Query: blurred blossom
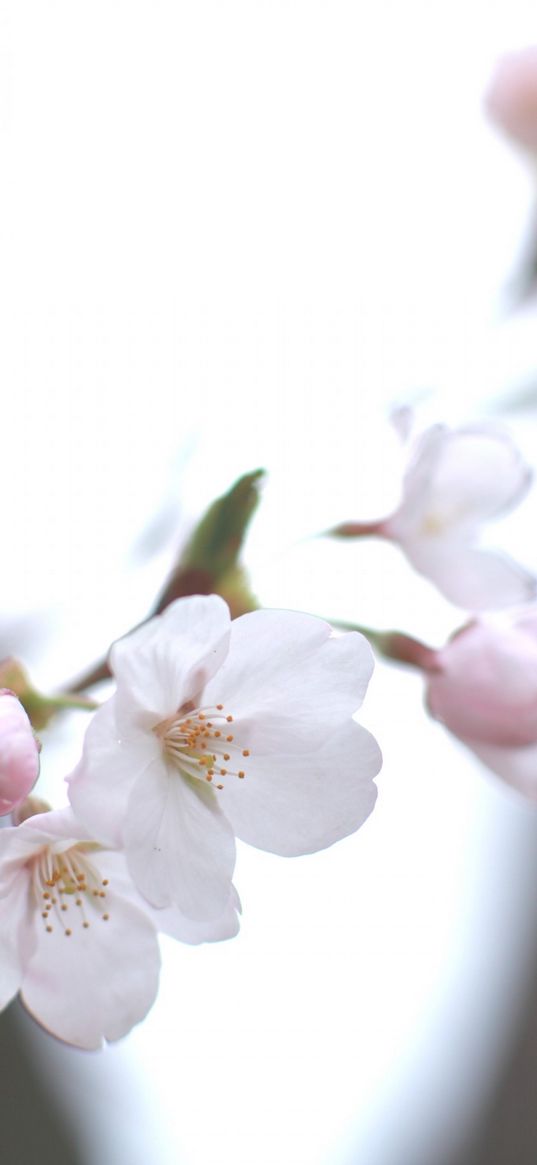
pixel 19 753
pixel 512 96
pixel 222 728
pixel 483 686
pixel 456 481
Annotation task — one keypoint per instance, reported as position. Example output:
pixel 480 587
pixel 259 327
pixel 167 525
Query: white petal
pixel 97 983
pixel 180 848
pixel 100 786
pixel 288 680
pixel 419 474
pixel 15 936
pixel 19 843
pixel 303 802
pixel 517 766
pixel 461 478
pixel 477 580
pixel 170 921
pixel 170 659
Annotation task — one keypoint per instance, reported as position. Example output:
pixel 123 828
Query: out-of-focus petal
pixel 19 753
pixel 475 579
pixel 517 766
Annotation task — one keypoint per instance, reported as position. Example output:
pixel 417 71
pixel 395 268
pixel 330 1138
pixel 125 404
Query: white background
pixel 231 235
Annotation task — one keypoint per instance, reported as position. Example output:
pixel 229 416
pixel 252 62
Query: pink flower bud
pixel 512 98
pixel 485 688
pixel 19 752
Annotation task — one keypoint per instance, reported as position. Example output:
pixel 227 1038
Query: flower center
pixel 201 744
pixel 67 888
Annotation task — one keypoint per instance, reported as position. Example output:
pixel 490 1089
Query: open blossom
pixel 221 728
pixel 483 687
pixel 84 957
pixel 19 753
pixel 456 481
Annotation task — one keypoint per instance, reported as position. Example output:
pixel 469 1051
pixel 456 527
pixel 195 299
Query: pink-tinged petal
pixel 96 983
pixel 19 753
pixel 517 766
pixel 456 481
pixel 170 659
pixel 16 937
pixel 485 685
pixel 512 97
pixel 418 476
pixel 477 580
pixel 302 802
pixel 17 846
pixel 288 680
pixel 58 826
pixel 100 787
pixel 180 848
pixel 461 478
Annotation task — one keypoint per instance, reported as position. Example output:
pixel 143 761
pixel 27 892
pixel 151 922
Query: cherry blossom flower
pixel 83 955
pixel 222 728
pixel 456 481
pixel 483 686
pixel 512 97
pixel 19 753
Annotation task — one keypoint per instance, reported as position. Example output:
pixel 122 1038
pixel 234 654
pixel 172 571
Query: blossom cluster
pixel 482 685
pixel 222 728
pixel 217 729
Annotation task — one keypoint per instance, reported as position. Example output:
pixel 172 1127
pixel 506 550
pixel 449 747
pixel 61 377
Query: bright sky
pixel 233 234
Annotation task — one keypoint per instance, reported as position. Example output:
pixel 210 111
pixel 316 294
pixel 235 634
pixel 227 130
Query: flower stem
pixel 395 645
pixel 357 530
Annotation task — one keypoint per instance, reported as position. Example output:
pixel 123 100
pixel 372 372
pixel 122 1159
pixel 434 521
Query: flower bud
pixel 210 561
pixel 19 752
pixel 485 686
pixel 512 97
